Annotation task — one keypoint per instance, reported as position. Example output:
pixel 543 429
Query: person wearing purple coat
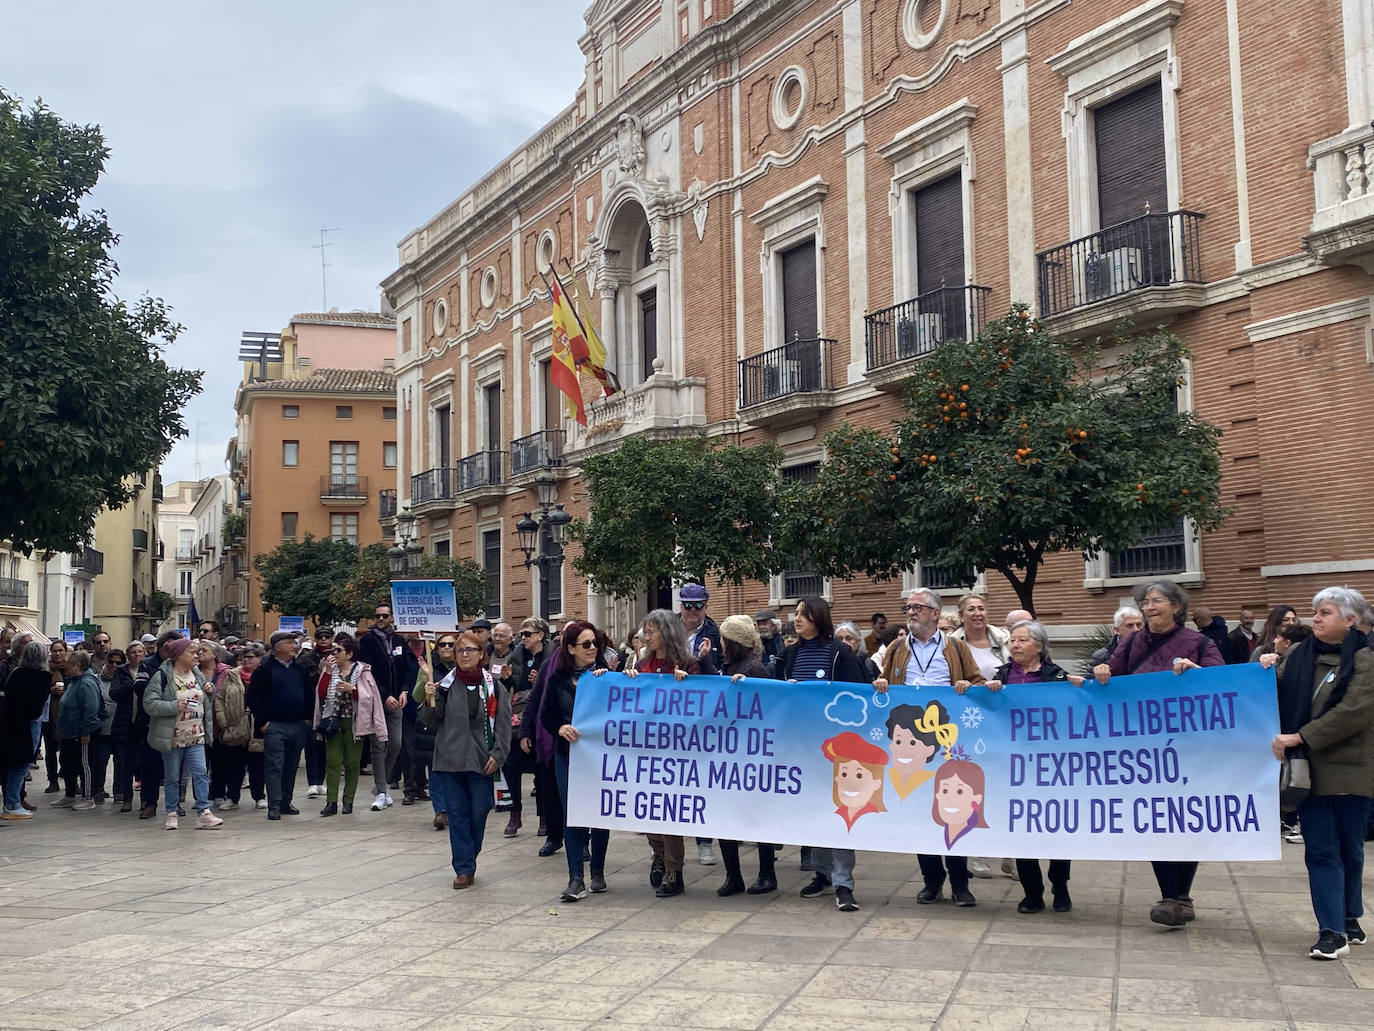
pixel 1164 643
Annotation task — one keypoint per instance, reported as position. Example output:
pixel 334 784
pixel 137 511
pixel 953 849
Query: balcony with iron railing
pixel 1343 185
pixel 896 338
pixel 89 560
pixel 542 449
pixel 343 490
pixel 786 385
pixel 482 475
pixel 659 408
pixel 14 593
pixel 1148 269
pixel 140 540
pixel 432 489
pixel 386 504
pixel 186 552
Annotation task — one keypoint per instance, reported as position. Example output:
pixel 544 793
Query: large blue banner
pixel 1155 766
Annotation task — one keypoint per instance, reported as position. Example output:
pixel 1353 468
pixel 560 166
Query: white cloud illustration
pixel 844 706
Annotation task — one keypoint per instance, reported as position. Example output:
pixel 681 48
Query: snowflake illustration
pixel 971 717
pixel 876 733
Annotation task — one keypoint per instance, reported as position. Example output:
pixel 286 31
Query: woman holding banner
pixel 579 650
pixel 1326 707
pixel 1164 643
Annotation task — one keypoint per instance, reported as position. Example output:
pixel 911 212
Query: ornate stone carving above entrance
pixel 629 146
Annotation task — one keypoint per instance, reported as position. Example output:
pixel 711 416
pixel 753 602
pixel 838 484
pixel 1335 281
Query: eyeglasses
pixel 382 615
pixel 585 644
pixel 693 604
pixel 530 633
pixel 468 651
pixel 916 607
pixel 445 644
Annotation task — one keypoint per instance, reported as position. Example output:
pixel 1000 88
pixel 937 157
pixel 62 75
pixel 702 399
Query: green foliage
pixel 369 583
pixel 684 509
pixel 234 527
pixel 1014 446
pixel 299 578
pixel 160 605
pixel 87 400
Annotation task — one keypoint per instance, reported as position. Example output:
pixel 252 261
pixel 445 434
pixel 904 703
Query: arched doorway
pixel 635 302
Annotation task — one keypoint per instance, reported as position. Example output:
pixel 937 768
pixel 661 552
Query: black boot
pixel 330 809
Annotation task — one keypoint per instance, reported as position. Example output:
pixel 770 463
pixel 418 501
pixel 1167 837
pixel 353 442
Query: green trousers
pixel 342 751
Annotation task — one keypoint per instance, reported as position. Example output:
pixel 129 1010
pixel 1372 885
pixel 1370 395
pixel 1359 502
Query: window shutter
pixel 648 321
pixel 940 234
pixel 799 321
pixel 1130 156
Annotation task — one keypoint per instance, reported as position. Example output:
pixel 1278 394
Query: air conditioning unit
pixel 919 335
pixel 1110 273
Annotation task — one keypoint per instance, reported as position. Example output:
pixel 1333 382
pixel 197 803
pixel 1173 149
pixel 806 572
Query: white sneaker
pixel 978 868
pixel 208 821
pixel 83 805
pixel 216 803
pixel 170 824
pixel 705 855
pixel 260 804
pixel 1009 868
pixel 229 805
pixel 379 803
pixel 389 801
pixel 313 792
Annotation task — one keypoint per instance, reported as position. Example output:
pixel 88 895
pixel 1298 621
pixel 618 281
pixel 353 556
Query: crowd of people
pixel 461 722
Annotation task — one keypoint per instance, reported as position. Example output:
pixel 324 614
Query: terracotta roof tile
pixel 333 381
pixel 357 318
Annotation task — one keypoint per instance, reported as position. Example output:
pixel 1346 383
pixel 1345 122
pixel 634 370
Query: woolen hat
pixel 694 592
pixel 741 630
pixel 175 648
pixel 848 746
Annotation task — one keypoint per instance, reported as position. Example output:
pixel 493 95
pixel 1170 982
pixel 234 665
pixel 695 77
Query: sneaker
pixel 390 801
pixel 170 824
pixel 1330 945
pixel 379 803
pixel 978 868
pixel 216 803
pixel 576 891
pixel 964 898
pixel 260 803
pixel 230 805
pixel 672 885
pixel 85 805
pixel 1009 868
pixel 1294 837
pixel 656 870
pixel 208 821
pixel 18 814
pixel 62 803
pixel 313 791
pixel 1354 933
pixel 844 900
pixel 705 854
pixel 597 884
pixel 820 885
pixel 1167 912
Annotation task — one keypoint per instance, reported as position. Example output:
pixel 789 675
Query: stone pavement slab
pixel 111 922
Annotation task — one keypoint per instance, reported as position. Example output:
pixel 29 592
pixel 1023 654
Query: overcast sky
pixel 238 130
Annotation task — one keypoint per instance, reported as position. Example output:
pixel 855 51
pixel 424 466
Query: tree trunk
pixel 1024 586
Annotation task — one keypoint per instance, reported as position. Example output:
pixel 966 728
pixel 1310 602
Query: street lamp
pixel 542 540
pixel 403 557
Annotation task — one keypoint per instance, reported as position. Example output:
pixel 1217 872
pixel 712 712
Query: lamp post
pixel 403 557
pixel 545 536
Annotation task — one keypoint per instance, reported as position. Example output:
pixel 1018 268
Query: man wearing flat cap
pixel 282 703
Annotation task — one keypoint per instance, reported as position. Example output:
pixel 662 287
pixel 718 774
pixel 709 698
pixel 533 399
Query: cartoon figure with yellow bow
pixel 917 733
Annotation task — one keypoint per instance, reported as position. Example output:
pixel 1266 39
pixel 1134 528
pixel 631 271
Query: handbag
pixel 328 726
pixel 1295 782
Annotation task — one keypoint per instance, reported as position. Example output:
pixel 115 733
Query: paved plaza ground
pixel 106 921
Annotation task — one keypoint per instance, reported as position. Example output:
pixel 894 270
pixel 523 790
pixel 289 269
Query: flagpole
pixel 582 325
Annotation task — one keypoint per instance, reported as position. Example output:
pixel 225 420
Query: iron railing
pixel 540 450
pixel 140 540
pixel 186 552
pixel 432 485
pixel 947 578
pixel 797 367
pixel 484 469
pixel 918 326
pixel 343 485
pixel 1160 553
pixel 89 560
pixel 1152 250
pixel 14 592
pixel 798 583
pixel 386 504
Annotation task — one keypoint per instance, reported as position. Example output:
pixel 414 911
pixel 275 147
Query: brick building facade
pixel 774 208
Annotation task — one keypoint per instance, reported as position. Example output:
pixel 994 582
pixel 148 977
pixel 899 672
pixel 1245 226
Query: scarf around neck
pixel 1296 687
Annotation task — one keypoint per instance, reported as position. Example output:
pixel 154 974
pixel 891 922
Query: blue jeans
pixel 14 776
pixel 835 863
pixel 580 842
pixel 1333 832
pixel 468 798
pixel 193 758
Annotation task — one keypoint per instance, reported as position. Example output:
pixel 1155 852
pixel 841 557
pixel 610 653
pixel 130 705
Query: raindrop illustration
pixel 980 747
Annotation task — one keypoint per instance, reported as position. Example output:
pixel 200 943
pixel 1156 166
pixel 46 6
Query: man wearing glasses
pixel 383 650
pixel 208 630
pixel 703 636
pixel 926 657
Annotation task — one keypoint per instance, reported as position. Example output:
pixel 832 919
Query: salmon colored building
pixel 775 208
pixel 316 448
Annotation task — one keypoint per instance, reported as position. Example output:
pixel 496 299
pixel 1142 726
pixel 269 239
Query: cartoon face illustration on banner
pixel 958 801
pixel 917 735
pixel 858 776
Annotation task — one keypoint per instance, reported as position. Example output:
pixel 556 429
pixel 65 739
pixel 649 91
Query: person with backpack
pixel 82 713
pixel 1164 643
pixel 180 727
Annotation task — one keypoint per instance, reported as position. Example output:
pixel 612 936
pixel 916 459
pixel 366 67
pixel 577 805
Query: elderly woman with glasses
pixel 470 713
pixel 349 705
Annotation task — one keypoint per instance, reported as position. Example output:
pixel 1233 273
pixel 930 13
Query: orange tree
pixel 1014 446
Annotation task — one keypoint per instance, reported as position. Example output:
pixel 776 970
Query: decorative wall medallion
pixel 546 250
pixel 488 286
pixel 932 14
pixel 440 317
pixel 789 97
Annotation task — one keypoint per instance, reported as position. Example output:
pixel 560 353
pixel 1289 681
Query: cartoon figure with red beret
pixel 859 767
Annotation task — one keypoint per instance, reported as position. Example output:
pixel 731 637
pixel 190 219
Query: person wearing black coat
pixel 384 651
pixel 26 690
pixel 122 732
pixel 1030 664
pixel 531 656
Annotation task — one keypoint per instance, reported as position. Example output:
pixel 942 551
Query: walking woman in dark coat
pixel 26 689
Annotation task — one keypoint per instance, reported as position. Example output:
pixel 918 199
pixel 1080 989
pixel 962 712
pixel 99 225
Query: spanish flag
pixel 588 352
pixel 563 368
pixel 596 351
